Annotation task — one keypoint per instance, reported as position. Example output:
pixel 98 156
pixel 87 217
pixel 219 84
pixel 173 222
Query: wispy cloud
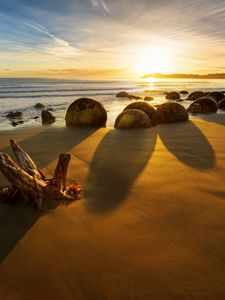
pixel 32 37
pixel 78 34
pixel 100 4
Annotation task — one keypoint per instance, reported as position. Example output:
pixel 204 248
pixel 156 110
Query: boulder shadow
pixel 52 142
pixel 16 220
pixel 218 194
pixel 118 161
pixel 214 118
pixel 188 144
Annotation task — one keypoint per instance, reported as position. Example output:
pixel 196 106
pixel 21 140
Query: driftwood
pixel 30 184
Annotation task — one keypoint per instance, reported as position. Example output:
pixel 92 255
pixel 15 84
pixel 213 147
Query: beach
pixel 150 223
pixel 112 156
pixel 21 94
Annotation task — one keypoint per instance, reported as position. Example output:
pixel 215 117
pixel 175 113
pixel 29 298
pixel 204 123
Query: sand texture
pixel 151 224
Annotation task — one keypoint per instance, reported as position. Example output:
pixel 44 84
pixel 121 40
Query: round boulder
pixel 145 107
pixel 39 106
pixel 171 113
pixel 203 105
pixel 132 118
pixel 14 123
pixel 134 97
pixel 47 117
pixel 148 98
pixel 86 112
pixel 217 95
pixel 15 114
pixel 173 96
pixel 221 104
pixel 195 95
pixel 184 92
pixel 122 95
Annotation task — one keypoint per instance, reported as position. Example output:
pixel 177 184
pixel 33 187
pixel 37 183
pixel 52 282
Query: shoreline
pixel 56 95
pixel 37 125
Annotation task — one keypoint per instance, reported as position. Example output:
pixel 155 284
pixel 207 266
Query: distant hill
pixel 189 76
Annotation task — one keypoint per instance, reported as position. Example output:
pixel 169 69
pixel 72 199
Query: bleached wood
pixel 29 180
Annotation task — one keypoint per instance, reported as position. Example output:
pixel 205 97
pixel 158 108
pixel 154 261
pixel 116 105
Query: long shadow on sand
pixel 58 140
pixel 188 144
pixel 214 118
pixel 118 161
pixel 16 220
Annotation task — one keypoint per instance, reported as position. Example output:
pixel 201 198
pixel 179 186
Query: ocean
pixel 22 94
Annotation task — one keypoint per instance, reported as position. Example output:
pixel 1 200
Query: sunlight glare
pixel 155 59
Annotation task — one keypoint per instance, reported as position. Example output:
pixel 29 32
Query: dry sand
pixel 150 226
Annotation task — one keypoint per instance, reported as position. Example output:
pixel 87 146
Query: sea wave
pixel 66 90
pixel 57 95
pixel 22 94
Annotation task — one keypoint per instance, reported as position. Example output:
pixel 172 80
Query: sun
pixel 154 59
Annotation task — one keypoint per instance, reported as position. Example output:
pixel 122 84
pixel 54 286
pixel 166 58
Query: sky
pixel 111 38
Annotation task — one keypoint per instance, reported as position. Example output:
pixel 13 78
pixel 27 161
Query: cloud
pixel 30 37
pixel 72 35
pixel 100 4
pixel 59 48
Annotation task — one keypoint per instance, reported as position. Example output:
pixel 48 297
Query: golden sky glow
pixel 154 59
pixel 110 39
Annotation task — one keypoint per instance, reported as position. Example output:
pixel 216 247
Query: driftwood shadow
pixel 118 161
pixel 188 144
pixel 16 220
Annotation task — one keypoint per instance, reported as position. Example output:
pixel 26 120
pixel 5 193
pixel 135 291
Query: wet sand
pixel 151 223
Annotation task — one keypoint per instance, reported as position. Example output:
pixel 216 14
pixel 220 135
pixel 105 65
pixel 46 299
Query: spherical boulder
pixel 134 97
pixel 203 105
pixel 184 92
pixel 148 98
pixel 15 123
pixel 173 96
pixel 217 95
pixel 145 107
pixel 86 112
pixel 39 106
pixel 47 117
pixel 221 104
pixel 171 113
pixel 122 95
pixel 132 118
pixel 195 95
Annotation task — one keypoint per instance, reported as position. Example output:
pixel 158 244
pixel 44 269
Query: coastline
pixel 57 95
pixel 155 194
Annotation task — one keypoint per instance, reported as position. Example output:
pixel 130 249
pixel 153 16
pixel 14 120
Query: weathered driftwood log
pixel 60 175
pixel 24 160
pixel 31 183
